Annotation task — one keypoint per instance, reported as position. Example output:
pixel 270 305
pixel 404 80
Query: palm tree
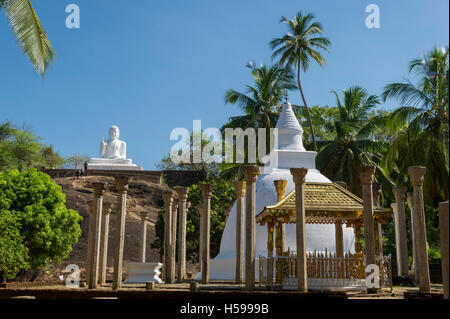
pixel 261 101
pixel 354 144
pixel 422 124
pixel 298 47
pixel 29 33
pixel 260 104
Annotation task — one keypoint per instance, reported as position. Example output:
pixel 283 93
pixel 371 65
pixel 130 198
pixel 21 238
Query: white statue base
pixel 112 164
pixel 140 273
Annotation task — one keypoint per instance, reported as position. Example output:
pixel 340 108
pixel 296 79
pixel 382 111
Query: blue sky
pixel 151 66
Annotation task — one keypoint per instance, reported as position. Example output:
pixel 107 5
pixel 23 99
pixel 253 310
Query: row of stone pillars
pixel 98 233
pixel 175 224
pixel 417 174
pixel 418 228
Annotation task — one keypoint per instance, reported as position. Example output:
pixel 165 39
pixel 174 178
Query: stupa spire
pixel 290 132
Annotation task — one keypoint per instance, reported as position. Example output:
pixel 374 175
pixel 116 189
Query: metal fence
pixel 325 271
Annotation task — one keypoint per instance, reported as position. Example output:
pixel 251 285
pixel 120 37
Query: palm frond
pixel 30 34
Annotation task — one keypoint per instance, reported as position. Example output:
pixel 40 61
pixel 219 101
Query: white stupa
pixel 288 153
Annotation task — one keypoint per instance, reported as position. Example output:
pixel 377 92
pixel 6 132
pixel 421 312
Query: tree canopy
pixel 21 149
pixel 35 209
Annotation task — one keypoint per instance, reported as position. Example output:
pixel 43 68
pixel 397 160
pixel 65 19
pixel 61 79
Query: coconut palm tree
pixel 422 124
pixel 29 33
pixel 261 102
pixel 354 144
pixel 298 47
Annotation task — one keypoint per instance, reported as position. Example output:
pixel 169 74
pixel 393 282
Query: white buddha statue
pixel 113 154
pixel 114 148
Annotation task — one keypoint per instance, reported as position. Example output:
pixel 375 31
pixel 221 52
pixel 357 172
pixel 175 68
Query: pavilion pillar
pixel 444 229
pixel 376 193
pixel 99 191
pixel 280 187
pixel 182 200
pixel 121 214
pixel 206 214
pixel 168 200
pixel 367 173
pixel 251 173
pixel 90 235
pixel 339 236
pixel 357 231
pixel 240 193
pixel 299 176
pixel 414 265
pixel 417 173
pixel 143 241
pixel 400 220
pixel 104 243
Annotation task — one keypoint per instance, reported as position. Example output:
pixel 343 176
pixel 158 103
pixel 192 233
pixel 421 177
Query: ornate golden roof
pixel 325 203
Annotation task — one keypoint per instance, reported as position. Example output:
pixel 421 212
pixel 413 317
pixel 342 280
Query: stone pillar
pixel 251 173
pixel 414 265
pixel 182 200
pixel 369 238
pixel 443 228
pixel 394 207
pixel 240 192
pixel 417 173
pixel 376 193
pixel 280 187
pixel 299 175
pixel 104 243
pixel 121 214
pixel 173 242
pixel 402 244
pixel 339 236
pixel 168 201
pixel 99 191
pixel 90 235
pixel 206 214
pixel 200 244
pixel 143 241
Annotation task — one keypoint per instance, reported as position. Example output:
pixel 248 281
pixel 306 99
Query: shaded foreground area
pixel 212 291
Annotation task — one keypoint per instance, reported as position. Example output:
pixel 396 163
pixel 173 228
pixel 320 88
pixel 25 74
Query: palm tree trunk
pixel 306 107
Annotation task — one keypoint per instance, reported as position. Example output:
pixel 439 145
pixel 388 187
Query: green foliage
pixel 13 253
pixel 433 236
pixel 422 125
pixel 322 121
pixel 47 226
pixel 354 127
pixel 21 149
